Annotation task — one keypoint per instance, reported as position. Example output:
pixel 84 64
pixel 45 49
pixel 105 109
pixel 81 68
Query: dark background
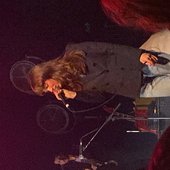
pixel 42 28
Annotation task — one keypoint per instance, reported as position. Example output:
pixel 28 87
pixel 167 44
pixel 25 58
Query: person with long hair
pixel 149 15
pixel 98 68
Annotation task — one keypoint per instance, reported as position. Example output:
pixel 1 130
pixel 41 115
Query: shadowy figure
pixel 89 164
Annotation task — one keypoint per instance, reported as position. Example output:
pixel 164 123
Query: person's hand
pixel 67 93
pixel 148 59
pixel 56 93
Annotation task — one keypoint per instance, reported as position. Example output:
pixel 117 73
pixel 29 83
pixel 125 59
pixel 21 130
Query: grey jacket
pixel 112 68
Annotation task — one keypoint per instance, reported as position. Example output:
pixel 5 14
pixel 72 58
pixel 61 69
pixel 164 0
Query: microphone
pixel 162 60
pixel 62 97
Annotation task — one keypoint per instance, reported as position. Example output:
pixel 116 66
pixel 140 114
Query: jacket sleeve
pixel 90 46
pixel 104 47
pixel 91 97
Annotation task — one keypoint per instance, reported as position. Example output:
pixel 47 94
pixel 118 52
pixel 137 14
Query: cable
pixel 92 108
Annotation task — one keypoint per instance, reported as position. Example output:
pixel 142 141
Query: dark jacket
pixel 112 68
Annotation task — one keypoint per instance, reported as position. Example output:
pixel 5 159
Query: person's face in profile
pixel 53 86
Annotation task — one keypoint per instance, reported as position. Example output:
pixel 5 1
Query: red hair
pixel 149 15
pixel 160 159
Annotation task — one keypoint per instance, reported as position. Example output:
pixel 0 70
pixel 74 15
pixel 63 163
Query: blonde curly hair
pixel 65 69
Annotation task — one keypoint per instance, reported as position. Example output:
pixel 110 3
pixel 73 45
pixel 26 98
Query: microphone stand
pixel 81 143
pixel 81 148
